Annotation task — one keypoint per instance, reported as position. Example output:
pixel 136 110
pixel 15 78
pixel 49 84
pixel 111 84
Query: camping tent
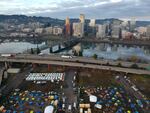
pixel 93 98
pixel 49 109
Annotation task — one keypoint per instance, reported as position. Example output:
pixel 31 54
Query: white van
pixel 69 108
pixel 66 56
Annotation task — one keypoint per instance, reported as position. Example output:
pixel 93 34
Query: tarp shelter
pixel 98 106
pixel 93 98
pixel 49 109
pixel 13 70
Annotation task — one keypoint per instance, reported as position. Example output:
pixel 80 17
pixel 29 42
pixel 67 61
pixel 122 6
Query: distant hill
pixel 142 23
pixel 22 19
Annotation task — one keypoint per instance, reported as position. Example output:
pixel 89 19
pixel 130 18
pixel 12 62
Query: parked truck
pixel 7 55
pixel 66 56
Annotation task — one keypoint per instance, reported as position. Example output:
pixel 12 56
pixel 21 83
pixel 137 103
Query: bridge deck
pixel 70 62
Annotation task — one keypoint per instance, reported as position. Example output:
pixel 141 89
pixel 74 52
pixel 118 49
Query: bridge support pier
pixel 7 65
pixel 33 65
pixel 49 67
pixel 51 49
pixel 59 47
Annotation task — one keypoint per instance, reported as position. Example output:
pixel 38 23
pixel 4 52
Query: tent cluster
pixel 46 77
pixel 30 102
pixel 112 99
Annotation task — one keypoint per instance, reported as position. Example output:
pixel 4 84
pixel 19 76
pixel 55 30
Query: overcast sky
pixel 124 9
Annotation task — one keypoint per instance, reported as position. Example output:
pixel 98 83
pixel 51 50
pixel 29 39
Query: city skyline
pixel 122 9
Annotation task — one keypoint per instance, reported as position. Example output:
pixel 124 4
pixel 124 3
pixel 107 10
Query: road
pixel 71 97
pixel 76 62
pixel 15 81
pixel 81 59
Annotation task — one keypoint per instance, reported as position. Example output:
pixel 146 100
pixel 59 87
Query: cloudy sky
pixel 124 9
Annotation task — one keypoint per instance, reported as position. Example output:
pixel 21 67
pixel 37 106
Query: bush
pixel 80 53
pixel 95 56
pixel 134 66
pixel 119 64
pixel 32 52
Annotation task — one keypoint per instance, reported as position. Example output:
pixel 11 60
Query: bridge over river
pixel 78 62
pixel 57 46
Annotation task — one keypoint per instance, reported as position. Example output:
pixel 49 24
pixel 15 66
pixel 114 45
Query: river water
pixel 104 51
pixel 17 47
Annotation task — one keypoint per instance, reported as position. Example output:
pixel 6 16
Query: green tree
pixel 38 50
pixel 32 52
pixel 80 53
pixel 119 64
pixel 75 53
pixel 134 66
pixel 95 56
pixel 107 64
pixel 133 58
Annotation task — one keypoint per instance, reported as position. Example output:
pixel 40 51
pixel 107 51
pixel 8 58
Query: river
pixel 103 51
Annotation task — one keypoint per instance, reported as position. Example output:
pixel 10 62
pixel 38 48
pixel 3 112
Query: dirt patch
pixel 96 78
pixel 142 83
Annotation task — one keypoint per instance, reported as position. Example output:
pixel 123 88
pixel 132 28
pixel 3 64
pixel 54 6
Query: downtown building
pixel 125 34
pixel 101 31
pixel 48 30
pixel 78 27
pixel 82 18
pixel 132 25
pixel 92 27
pixel 67 27
pixel 116 31
pixel 39 30
pixel 57 30
pixel 92 23
pixel 148 32
pixel 82 23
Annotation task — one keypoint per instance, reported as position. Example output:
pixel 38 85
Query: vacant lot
pixel 142 83
pixel 97 78
pixel 90 77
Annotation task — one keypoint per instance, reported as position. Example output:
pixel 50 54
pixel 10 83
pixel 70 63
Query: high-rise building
pixel 116 31
pixel 101 31
pixel 148 31
pixel 78 30
pixel 67 26
pixel 125 25
pixel 82 21
pixel 132 25
pixel 116 22
pixel 92 23
pixel 82 18
pixel 67 21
